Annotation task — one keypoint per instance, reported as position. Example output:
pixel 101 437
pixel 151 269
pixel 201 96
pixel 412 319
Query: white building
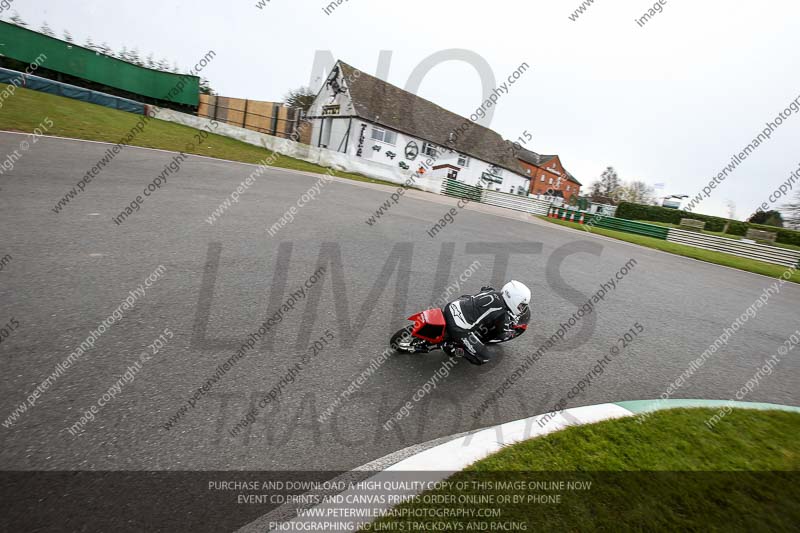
pixel 366 117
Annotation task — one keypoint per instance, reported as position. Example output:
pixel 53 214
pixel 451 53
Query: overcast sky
pixel 669 102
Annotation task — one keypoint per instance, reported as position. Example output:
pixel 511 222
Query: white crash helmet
pixel 517 297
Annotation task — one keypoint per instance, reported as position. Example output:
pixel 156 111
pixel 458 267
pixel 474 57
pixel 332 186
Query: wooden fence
pixel 272 118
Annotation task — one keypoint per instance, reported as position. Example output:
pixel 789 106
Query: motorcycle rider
pixel 489 315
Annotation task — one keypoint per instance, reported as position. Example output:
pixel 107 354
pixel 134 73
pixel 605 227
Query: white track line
pixel 433 465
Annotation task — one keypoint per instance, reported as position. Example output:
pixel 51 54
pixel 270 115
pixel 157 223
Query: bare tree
pixel 68 37
pixel 106 49
pixel 638 192
pixel 205 87
pixel 595 190
pixel 791 212
pixel 301 97
pixel 134 58
pixel 16 19
pixel 610 180
pixel 608 188
pixel 47 30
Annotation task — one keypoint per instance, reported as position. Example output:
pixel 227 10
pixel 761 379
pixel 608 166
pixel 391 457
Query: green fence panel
pixel 461 190
pixel 60 56
pixel 629 226
pixel 618 224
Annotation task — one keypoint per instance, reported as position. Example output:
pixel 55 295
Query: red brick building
pixel 548 175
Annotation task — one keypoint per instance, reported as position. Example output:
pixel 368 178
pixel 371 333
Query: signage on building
pixel 360 151
pixel 412 151
pixel 491 177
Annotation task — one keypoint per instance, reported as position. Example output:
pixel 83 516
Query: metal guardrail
pixel 500 199
pixel 759 252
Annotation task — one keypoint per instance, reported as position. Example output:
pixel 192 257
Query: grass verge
pixel 80 120
pixel 709 256
pixel 671 473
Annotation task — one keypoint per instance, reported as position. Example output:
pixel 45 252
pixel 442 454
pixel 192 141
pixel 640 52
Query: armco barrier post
pixel 581 221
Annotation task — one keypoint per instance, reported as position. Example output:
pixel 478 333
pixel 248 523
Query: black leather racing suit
pixel 474 320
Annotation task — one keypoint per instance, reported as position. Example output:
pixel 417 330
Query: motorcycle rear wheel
pixel 402 341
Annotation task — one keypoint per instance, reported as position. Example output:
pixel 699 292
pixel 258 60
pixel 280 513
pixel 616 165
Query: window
pixel 452 174
pixel 384 136
pixel 542 178
pixel 463 161
pixel 430 149
pixel 567 188
pixel 511 190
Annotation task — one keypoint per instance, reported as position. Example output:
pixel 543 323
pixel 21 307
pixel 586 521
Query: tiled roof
pixel 540 160
pixel 380 102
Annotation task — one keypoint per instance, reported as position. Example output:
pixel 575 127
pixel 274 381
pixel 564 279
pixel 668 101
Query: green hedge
pixel 662 214
pixel 785 236
pixel 738 228
pixel 673 216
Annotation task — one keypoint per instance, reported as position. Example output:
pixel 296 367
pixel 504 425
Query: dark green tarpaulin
pixel 60 56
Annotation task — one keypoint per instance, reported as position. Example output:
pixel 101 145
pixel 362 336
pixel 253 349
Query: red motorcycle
pixel 429 332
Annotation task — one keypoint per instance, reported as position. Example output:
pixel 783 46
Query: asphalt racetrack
pixel 70 271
